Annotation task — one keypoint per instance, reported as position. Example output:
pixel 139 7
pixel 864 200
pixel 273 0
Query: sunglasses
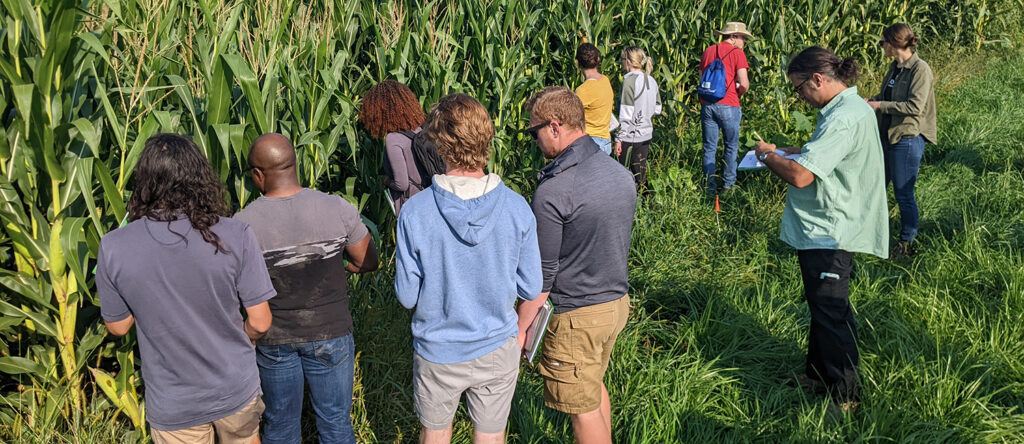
pixel 532 131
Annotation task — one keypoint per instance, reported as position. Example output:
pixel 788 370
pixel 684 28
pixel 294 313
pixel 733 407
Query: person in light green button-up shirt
pixel 835 206
pixel 844 208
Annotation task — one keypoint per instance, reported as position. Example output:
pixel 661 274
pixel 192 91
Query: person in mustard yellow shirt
pixel 597 96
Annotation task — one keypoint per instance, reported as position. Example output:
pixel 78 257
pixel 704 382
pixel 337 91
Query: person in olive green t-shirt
pixel 597 96
pixel 835 206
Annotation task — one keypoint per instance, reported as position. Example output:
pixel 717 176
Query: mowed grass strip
pixel 718 328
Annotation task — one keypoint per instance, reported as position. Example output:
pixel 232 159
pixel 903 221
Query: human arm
pixel 257 320
pixel 529 281
pixel 742 81
pixel 921 85
pixel 408 269
pixel 362 255
pixel 832 142
pixel 788 170
pixel 551 208
pixel 117 316
pixel 254 288
pixel 527 312
pixel 627 102
pixel 120 328
pixel 396 159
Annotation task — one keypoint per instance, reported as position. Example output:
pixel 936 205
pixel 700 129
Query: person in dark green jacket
pixel 906 121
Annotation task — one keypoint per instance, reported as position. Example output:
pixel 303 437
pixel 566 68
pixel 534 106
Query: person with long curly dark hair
pixel 181 271
pixel 173 178
pixel 390 110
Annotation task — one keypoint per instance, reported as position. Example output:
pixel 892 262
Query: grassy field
pixel 719 323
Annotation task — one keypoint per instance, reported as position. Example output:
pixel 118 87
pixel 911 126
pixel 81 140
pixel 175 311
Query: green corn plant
pixel 50 213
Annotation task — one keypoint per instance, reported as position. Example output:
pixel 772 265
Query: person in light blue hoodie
pixel 466 250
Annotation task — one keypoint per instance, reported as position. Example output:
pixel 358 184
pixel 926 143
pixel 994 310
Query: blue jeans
pixel 902 161
pixel 327 366
pixel 713 117
pixel 604 144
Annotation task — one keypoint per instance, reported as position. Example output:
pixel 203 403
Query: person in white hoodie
pixel 466 250
pixel 639 103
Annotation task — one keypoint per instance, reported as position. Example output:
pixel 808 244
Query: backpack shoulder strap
pixel 730 52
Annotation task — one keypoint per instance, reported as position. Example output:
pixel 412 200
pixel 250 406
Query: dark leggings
pixel 636 156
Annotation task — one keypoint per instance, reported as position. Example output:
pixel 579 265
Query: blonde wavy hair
pixel 462 130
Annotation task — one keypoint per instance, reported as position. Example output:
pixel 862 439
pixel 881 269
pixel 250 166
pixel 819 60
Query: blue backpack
pixel 712 82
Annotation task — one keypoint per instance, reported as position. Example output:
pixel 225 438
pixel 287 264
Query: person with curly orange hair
pixel 390 110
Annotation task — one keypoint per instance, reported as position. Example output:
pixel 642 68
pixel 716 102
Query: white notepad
pixel 750 161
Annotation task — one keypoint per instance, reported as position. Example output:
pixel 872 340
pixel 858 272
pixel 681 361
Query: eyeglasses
pixel 797 88
pixel 532 131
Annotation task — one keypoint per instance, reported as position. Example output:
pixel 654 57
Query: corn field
pixel 84 83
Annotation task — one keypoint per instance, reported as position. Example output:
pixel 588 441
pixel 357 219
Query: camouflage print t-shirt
pixel 303 238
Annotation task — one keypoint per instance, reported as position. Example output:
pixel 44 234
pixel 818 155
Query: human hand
pixel 618 148
pixel 762 147
pixel 874 104
pixel 521 338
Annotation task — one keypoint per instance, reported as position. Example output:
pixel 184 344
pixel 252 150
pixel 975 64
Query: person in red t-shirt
pixel 725 114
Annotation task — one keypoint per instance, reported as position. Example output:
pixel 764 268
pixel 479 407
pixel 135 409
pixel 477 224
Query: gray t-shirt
pixel 584 205
pixel 187 299
pixel 303 237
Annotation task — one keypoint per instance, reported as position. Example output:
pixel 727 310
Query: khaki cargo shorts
pixel 577 347
pixel 241 427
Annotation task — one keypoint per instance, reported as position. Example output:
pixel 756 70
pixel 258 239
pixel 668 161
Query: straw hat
pixel 735 28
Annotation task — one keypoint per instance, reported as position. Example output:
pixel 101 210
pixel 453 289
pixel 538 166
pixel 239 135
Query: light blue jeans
pixel 604 144
pixel 715 117
pixel 327 367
